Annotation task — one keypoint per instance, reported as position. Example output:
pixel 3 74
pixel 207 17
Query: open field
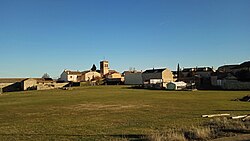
pixel 108 112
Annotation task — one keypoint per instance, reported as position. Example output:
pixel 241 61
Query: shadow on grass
pixel 142 88
pixel 237 131
pixel 231 110
pixel 131 137
pixel 132 87
pixel 65 135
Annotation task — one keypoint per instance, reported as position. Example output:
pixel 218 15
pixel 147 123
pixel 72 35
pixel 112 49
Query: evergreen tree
pixel 93 68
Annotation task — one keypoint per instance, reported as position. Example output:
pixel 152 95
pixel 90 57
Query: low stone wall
pixel 235 85
pixel 50 86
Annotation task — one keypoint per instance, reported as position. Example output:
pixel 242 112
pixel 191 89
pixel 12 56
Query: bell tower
pixel 104 67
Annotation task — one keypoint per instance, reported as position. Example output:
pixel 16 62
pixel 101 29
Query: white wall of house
pixel 72 78
pixel 155 81
pixel 133 79
pixel 90 75
pixel 68 77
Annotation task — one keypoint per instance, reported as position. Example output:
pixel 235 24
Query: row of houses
pixel 194 77
pixel 231 77
pixel 225 77
pixel 105 73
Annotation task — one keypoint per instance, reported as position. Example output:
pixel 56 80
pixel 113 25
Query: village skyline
pixel 46 36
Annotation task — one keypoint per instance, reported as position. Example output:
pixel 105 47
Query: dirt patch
pixel 98 106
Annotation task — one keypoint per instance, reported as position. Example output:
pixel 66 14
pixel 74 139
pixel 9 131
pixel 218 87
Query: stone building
pixel 104 67
pixel 133 78
pixel 164 74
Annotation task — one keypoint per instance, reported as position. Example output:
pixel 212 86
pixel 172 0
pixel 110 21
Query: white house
pixel 71 76
pixel 165 74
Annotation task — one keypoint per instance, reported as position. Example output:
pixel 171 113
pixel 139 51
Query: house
pixel 113 78
pixel 203 72
pixel 10 84
pixel 201 76
pixel 71 76
pixel 113 74
pixel 176 85
pixel 226 68
pixel 133 78
pixel 229 82
pixel 90 75
pixel 245 66
pixel 164 74
pixel 234 77
pixel 157 78
pixel 242 72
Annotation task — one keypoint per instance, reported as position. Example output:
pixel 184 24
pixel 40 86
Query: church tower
pixel 104 67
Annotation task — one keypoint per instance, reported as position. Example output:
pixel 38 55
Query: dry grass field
pixel 109 112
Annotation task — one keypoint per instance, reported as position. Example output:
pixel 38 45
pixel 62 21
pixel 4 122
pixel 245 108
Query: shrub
pixel 168 136
pixel 198 133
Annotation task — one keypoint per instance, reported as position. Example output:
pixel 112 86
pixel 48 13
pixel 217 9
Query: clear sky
pixel 48 36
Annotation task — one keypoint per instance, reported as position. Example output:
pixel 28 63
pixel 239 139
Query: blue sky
pixel 48 36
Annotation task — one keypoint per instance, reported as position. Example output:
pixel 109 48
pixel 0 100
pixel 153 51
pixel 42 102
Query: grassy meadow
pixel 108 112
